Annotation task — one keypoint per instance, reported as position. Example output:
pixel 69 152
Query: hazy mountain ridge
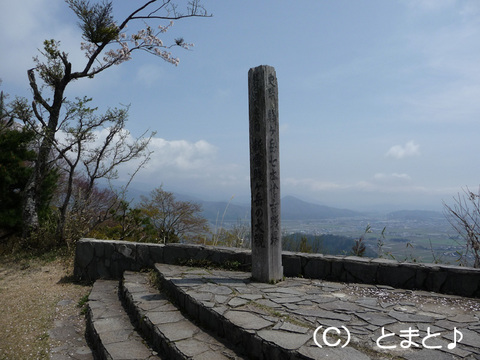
pixel 216 211
pixel 296 209
pixel 292 208
pixel 415 215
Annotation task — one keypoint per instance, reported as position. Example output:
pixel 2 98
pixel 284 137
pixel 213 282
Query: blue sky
pixel 379 100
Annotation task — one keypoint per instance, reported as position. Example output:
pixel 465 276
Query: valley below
pixel 406 235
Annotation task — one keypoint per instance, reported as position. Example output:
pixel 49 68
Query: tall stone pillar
pixel 265 174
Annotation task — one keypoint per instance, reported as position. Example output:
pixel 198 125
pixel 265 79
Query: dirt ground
pixel 40 316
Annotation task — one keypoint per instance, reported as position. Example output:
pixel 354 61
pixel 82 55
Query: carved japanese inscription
pixel 265 174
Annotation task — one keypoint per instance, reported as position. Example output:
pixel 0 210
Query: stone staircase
pixel 198 313
pixel 166 327
pixel 133 319
pixel 109 330
pixel 119 313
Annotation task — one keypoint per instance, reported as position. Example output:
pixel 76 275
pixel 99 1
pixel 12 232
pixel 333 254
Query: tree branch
pixel 37 96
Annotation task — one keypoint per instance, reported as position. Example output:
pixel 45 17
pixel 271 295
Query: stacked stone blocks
pixel 106 259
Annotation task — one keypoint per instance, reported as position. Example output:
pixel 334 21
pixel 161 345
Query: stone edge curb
pixel 141 321
pixel 96 259
pixel 94 338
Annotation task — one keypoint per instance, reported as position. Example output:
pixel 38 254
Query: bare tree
pixel 106 43
pixel 87 208
pixel 81 152
pixel 464 216
pixel 173 220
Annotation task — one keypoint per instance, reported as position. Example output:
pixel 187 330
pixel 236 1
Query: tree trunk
pixel 30 213
pixel 60 233
pixel 31 195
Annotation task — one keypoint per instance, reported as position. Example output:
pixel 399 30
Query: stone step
pixel 165 327
pixel 215 301
pixel 109 330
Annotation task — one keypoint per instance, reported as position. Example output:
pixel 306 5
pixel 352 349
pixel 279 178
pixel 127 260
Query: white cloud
pixel 193 167
pixel 407 150
pixel 171 155
pixel 393 182
pixel 180 154
pixel 394 176
pixel 25 25
pixel 383 188
pixel 311 184
pixel 379 183
pixel 183 166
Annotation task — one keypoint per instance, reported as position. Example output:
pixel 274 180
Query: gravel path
pixel 41 318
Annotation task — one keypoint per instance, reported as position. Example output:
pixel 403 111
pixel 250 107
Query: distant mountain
pixel 296 209
pixel 292 208
pixel 415 215
pixel 216 211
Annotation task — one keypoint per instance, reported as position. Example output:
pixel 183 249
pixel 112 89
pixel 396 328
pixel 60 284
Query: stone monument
pixel 265 174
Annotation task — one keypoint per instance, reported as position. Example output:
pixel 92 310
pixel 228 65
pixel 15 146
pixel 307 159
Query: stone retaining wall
pixel 109 259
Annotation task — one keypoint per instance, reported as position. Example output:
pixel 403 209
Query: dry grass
pixel 29 293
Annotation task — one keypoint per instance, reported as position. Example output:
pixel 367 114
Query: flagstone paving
pixel 367 321
pixel 199 313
